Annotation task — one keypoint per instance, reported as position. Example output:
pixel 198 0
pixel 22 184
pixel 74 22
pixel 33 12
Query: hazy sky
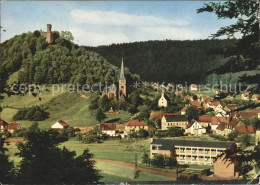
pixel 101 22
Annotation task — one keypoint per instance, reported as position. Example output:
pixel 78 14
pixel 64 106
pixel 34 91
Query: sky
pixel 94 23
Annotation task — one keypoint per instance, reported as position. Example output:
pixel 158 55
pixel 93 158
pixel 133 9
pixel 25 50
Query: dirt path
pixel 131 165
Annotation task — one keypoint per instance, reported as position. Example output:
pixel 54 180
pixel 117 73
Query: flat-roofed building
pixel 188 151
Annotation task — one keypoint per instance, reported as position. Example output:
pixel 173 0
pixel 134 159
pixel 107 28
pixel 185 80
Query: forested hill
pixel 61 62
pixel 167 61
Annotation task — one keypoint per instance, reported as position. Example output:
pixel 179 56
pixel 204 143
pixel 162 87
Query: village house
pixel 159 115
pixel 255 97
pixel 245 129
pixel 189 151
pixel 245 96
pixel 3 126
pixel 196 103
pixel 163 101
pixel 60 125
pixel 205 121
pixel 225 166
pixel 174 121
pixel 245 115
pixel 225 128
pixel 214 105
pixel 108 128
pixel 195 128
pixel 135 125
pixel 193 87
pixel 14 126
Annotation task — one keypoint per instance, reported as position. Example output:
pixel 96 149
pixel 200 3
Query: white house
pixel 174 121
pixel 193 87
pixel 163 102
pixel 108 128
pixel 60 125
pixel 135 125
pixel 195 128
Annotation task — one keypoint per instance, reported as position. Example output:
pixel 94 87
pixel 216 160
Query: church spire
pixel 122 73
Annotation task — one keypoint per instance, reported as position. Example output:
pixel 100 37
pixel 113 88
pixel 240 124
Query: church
pixel 111 91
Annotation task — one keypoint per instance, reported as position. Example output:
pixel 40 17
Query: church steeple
pixel 122 83
pixel 122 73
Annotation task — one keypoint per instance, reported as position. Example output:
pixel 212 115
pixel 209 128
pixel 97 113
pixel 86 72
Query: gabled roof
pixel 13 126
pixel 205 119
pixel 3 123
pixel 244 115
pixel 107 126
pixel 254 110
pixel 221 126
pixel 191 123
pixel 215 103
pixel 154 115
pixel 166 144
pixel 136 123
pixel 175 118
pixel 63 123
pixel 245 129
pixel 195 103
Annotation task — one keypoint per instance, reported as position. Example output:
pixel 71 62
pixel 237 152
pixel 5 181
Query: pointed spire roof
pixel 122 73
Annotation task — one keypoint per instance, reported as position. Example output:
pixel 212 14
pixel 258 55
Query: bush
pixel 34 113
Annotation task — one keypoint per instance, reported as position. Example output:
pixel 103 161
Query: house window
pixel 154 147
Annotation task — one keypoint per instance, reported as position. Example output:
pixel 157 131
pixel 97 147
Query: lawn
pixel 127 173
pixel 70 107
pixel 110 149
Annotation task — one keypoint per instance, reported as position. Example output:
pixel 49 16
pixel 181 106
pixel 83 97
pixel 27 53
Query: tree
pixel 170 162
pixel 244 140
pixel 100 116
pixel 232 135
pixel 143 133
pixel 144 113
pixel 245 56
pixel 192 113
pixel 43 162
pixel 67 35
pixel 6 167
pixel 145 159
pixel 158 161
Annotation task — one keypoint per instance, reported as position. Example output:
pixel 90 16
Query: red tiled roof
pixel 195 103
pixel 107 126
pixel 154 115
pixel 13 126
pixel 190 123
pixel 136 123
pixel 63 123
pixel 254 110
pixel 3 123
pixel 244 115
pixel 215 103
pixel 206 119
pixel 214 121
pixel 221 126
pixel 247 129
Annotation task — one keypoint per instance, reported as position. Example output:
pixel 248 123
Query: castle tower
pixel 122 83
pixel 49 38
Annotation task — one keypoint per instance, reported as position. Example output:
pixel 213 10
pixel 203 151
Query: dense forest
pixel 60 62
pixel 168 61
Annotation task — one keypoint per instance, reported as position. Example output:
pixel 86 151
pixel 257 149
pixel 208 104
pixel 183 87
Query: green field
pixel 70 107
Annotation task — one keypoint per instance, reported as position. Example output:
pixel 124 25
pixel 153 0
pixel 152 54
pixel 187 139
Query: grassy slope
pixel 69 107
